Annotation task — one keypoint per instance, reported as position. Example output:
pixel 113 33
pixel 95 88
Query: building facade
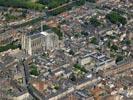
pixel 40 42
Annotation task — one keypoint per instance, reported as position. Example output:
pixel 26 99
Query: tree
pixel 92 1
pixel 56 86
pixel 127 42
pixel 34 70
pixel 53 3
pixel 77 35
pixel 108 44
pixel 8 46
pixel 22 4
pixel 58 32
pixel 77 66
pixel 116 18
pixel 84 33
pixel 81 68
pixel 114 47
pixel 94 40
pixel 94 22
pixel 72 77
pixel 119 58
pixel 80 2
pixel 10 17
pixel 71 52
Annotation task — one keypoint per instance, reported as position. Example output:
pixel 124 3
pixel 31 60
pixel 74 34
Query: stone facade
pixel 40 42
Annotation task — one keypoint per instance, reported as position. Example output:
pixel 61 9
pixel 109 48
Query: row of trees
pixel 22 4
pixel 81 2
pixel 10 17
pixel 8 46
pixel 60 10
pixel 40 5
pixel 53 3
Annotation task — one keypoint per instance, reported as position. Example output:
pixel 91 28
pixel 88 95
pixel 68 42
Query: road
pixel 32 91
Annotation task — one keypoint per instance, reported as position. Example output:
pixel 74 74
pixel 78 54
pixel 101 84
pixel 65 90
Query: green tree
pixel 116 18
pixel 8 46
pixel 94 40
pixel 33 70
pixel 81 68
pixel 58 32
pixel 95 22
pixel 71 52
pixel 92 1
pixel 126 42
pixel 72 77
pixel 114 47
pixel 119 58
pixel 22 4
